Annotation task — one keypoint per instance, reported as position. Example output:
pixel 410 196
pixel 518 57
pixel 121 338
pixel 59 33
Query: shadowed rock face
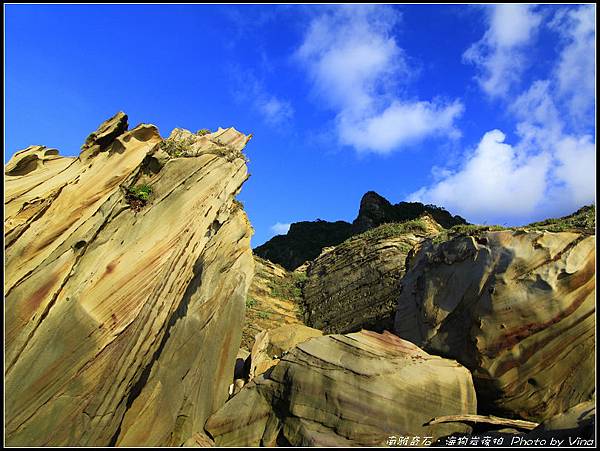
pixel 305 240
pixel 122 323
pixel 356 284
pixel 346 390
pixel 376 210
pixel 517 308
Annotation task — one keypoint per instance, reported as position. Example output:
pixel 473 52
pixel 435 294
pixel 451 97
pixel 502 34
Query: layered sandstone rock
pixel 517 308
pixel 271 345
pixel 273 300
pixel 126 275
pixel 573 426
pixel 355 389
pixel 356 284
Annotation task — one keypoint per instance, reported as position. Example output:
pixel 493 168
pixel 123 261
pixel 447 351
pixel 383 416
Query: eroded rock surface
pixel 122 323
pixel 355 389
pixel 356 284
pixel 273 300
pixel 515 307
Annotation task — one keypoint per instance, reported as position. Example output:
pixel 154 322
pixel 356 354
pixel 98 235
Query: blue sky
pixel 488 111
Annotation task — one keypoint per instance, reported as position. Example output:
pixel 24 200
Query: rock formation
pixel 126 276
pixel 517 308
pixel 346 390
pixel 273 300
pixel 376 210
pixel 356 284
pixel 271 345
pixel 305 240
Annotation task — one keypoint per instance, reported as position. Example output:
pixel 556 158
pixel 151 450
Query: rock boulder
pixel 517 308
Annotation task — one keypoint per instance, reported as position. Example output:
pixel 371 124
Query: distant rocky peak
pixel 372 201
pixel 374 209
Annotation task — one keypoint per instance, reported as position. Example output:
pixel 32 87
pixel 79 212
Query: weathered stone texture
pixel 122 324
pixel 517 308
pixel 355 389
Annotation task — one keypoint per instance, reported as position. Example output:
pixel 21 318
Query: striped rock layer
pixel 346 390
pixel 122 323
pixel 355 285
pixel 517 308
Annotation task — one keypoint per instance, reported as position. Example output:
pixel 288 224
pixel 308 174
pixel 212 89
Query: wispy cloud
pixel 249 89
pixel 550 168
pixel 578 28
pixel 275 111
pixel 355 65
pixel 280 228
pixel 499 56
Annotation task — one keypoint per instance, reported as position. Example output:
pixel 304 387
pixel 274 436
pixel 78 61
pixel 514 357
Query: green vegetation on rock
pixel 583 220
pixel 289 287
pixel 141 192
pixel 177 147
pixel 393 229
pixel 466 229
pixel 250 302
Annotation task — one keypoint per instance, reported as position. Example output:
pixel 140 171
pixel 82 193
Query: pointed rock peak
pixel 372 199
pixel 105 135
pixel 374 210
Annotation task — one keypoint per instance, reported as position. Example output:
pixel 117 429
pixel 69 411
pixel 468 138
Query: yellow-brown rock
pixel 126 275
pixel 517 308
pixel 273 300
pixel 347 390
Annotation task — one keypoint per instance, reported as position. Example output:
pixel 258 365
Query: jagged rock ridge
pixel 305 240
pixel 123 323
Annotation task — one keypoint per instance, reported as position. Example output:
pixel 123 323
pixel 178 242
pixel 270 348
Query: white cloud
pixel 547 172
pixel 575 71
pixel 274 111
pixel 495 180
pixel 400 123
pixel 499 54
pixel 355 65
pixel 280 228
pixel 550 169
pixel 571 182
pixel 249 89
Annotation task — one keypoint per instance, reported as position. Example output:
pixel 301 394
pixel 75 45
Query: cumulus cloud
pixel 549 169
pixel 495 179
pixel 499 55
pixel 355 65
pixel 280 228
